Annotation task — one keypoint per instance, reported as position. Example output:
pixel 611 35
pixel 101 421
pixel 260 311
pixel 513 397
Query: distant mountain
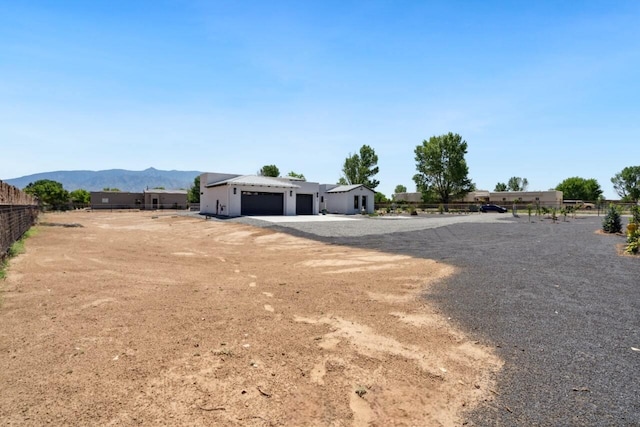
pixel 125 180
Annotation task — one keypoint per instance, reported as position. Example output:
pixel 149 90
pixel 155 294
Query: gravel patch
pixel 559 304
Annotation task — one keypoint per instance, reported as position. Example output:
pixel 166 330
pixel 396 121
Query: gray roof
pixel 346 188
pixel 254 180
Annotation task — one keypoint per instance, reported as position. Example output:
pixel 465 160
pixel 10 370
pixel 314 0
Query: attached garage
pixel 304 204
pixel 262 203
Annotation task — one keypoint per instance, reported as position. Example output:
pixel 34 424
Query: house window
pixel 364 202
pixel 355 202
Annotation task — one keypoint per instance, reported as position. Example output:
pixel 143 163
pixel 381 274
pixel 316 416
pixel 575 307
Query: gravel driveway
pixel 557 301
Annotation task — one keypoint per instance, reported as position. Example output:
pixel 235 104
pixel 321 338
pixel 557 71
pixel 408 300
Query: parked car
pixel 492 208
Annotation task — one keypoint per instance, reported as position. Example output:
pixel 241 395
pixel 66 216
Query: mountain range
pixel 122 179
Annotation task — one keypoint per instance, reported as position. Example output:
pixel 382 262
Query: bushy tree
pixel 193 195
pixel 442 168
pixel 269 170
pixel 49 192
pixel 360 168
pixel 501 186
pixel 516 183
pixel 400 189
pixel 80 197
pixel 296 175
pixel 627 184
pixel 612 222
pixel 576 188
pixel 380 198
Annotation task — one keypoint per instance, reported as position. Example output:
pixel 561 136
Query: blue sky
pixel 544 90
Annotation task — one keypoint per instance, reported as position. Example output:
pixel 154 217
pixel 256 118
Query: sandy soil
pixel 140 318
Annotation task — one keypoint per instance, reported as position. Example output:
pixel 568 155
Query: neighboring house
pixel 165 199
pixel 346 199
pixel 116 200
pixel 235 195
pixel 551 198
pixel 148 199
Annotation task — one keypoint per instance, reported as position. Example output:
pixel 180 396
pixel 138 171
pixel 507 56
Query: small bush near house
pixel 612 222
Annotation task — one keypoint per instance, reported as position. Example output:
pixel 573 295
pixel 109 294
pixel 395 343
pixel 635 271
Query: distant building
pixel 551 198
pixel 148 199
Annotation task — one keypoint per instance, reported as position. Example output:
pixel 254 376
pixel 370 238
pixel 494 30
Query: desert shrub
pixel 612 222
pixel 441 208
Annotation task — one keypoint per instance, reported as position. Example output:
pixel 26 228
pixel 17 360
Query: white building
pixel 234 195
pixel 346 199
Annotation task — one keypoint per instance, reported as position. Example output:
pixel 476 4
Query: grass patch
pixel 16 249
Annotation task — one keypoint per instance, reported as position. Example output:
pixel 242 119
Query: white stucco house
pixel 346 199
pixel 232 195
pixel 235 195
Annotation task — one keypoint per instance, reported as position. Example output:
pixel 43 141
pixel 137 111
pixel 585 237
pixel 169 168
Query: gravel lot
pixel 558 302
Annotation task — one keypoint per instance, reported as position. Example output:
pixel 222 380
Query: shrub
pixel 441 209
pixel 633 242
pixel 612 222
pixel 635 215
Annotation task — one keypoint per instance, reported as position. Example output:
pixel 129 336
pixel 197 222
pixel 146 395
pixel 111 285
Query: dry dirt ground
pixel 143 318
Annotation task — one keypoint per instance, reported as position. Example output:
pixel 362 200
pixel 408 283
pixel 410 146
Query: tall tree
pixel 627 183
pixel 360 168
pixel 296 175
pixel 269 170
pixel 49 192
pixel 400 189
pixel 577 188
pixel 193 195
pixel 516 183
pixel 442 168
pixel 501 186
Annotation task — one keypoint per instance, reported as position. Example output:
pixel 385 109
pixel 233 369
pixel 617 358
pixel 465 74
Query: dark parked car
pixel 492 208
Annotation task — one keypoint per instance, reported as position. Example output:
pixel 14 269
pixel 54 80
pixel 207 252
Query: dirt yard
pixel 143 318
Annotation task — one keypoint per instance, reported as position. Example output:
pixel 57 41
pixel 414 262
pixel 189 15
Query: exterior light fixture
pixel 234 190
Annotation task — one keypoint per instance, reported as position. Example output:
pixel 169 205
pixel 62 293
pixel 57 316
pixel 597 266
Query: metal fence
pixel 15 220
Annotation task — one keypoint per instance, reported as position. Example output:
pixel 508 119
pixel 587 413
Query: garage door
pixel 257 203
pixel 304 204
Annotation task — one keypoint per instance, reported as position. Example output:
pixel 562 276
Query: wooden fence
pixel 18 212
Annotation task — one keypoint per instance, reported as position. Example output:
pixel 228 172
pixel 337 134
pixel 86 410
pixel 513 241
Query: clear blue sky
pixel 539 89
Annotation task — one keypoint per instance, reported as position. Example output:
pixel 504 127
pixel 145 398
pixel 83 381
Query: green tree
pixel 380 198
pixel 80 197
pixel 296 175
pixel 516 183
pixel 361 168
pixel 269 170
pixel 627 184
pixel 576 188
pixel 400 189
pixel 50 193
pixel 442 168
pixel 193 195
pixel 501 186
